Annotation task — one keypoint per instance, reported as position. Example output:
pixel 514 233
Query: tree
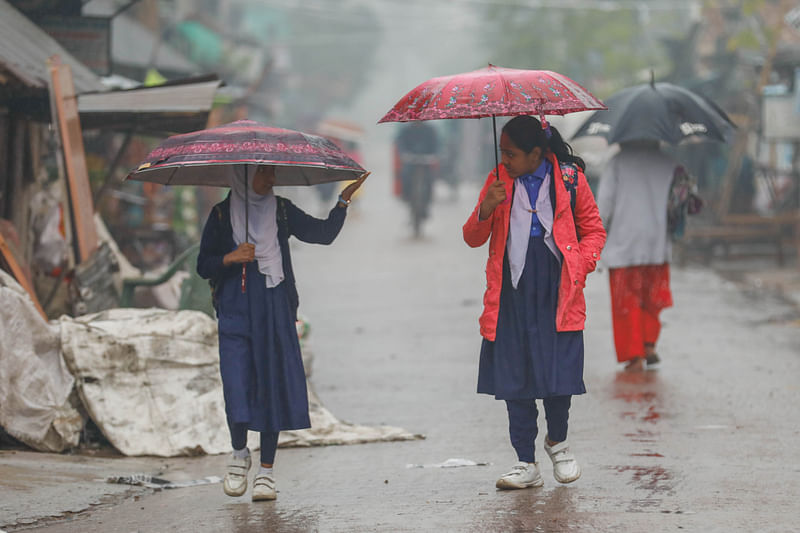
pixel 603 45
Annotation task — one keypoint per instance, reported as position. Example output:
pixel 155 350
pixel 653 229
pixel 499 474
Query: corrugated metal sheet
pixel 25 48
pixel 173 108
pixel 175 98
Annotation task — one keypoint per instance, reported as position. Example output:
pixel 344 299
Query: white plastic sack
pixel 149 379
pixel 35 384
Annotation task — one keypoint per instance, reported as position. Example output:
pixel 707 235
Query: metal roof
pixel 25 49
pixel 175 107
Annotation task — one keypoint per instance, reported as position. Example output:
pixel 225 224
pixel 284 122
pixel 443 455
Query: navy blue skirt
pixel 263 379
pixel 529 358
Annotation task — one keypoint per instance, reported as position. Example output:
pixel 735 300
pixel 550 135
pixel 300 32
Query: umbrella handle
pixel 244 276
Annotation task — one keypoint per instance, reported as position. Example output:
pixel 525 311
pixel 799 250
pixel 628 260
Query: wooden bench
pixel 776 231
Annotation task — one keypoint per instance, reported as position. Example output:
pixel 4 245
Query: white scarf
pixel 263 230
pixel 519 231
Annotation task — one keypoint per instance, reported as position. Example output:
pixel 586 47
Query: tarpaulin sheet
pixel 35 384
pixel 149 379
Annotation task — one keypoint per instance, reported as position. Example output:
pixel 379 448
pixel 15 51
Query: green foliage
pixel 751 7
pixel 745 39
pixel 604 50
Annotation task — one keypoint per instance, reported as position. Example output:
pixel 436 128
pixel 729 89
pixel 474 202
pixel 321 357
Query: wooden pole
pixel 19 275
pixel 65 101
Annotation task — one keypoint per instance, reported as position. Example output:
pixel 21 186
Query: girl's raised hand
pixel 348 191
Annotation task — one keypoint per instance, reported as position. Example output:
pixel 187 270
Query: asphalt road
pixel 707 442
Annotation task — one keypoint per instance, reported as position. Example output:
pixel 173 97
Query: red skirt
pixel 638 294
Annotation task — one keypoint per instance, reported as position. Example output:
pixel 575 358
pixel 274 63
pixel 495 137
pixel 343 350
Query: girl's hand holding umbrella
pixel 495 195
pixel 244 253
pixel 350 190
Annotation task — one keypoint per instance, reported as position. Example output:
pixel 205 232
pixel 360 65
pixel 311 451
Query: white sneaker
pixel 565 467
pixel 235 483
pixel 264 488
pixel 521 476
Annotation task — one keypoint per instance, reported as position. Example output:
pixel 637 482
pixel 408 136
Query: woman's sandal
pixel 652 358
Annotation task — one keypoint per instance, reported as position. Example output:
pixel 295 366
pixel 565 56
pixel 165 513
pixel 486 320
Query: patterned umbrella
pixel 204 157
pixel 491 92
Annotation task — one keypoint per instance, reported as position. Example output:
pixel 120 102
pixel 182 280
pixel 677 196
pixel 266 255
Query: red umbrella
pixel 205 157
pixel 493 91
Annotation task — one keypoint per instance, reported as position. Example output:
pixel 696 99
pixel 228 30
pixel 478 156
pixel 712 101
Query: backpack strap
pixel 569 173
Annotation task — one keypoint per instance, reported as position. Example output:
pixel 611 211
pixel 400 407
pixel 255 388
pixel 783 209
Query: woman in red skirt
pixel 632 198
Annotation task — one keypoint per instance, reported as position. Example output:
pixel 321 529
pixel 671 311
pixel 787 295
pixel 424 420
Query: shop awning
pixel 175 107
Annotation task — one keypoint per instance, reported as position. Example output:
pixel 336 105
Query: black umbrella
pixel 659 112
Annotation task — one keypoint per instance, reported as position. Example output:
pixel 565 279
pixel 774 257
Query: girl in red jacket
pixel 545 236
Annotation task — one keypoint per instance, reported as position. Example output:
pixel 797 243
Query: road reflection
pixel 249 517
pixel 640 398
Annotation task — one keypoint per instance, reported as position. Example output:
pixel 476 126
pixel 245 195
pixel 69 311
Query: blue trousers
pixel 523 429
pixel 269 441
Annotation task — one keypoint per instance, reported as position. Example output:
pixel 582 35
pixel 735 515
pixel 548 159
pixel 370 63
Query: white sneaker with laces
pixel 521 476
pixel 235 483
pixel 264 488
pixel 565 467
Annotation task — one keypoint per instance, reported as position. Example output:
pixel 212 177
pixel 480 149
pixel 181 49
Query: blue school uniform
pixel 262 371
pixel 529 359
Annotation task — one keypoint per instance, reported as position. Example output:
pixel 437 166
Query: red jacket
pixel 579 258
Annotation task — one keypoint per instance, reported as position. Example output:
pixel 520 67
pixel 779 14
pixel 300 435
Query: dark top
pixel 217 240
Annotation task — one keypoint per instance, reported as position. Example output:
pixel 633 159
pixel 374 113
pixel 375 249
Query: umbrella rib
pixel 172 175
pixel 506 92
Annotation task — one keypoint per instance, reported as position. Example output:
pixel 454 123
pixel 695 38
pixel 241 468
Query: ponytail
pixel 563 150
pixel 527 133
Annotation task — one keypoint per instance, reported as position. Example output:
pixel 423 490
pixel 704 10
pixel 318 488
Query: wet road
pixel 705 443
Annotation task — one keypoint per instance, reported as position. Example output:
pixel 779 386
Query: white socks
pixel 244 453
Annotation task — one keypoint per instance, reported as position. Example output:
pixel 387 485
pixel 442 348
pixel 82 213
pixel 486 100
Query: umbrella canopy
pixel 204 157
pixel 658 112
pixel 493 91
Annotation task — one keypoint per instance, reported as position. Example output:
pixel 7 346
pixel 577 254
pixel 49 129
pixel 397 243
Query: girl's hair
pixel 527 133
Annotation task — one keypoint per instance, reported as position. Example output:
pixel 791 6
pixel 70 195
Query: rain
pixel 669 318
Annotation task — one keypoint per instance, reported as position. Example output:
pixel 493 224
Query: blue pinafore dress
pixel 261 366
pixel 529 359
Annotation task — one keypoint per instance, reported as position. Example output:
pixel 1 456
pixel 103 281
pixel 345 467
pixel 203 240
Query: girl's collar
pixel 541 171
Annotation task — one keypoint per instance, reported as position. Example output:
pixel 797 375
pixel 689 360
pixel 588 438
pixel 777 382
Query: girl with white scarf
pixel 244 253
